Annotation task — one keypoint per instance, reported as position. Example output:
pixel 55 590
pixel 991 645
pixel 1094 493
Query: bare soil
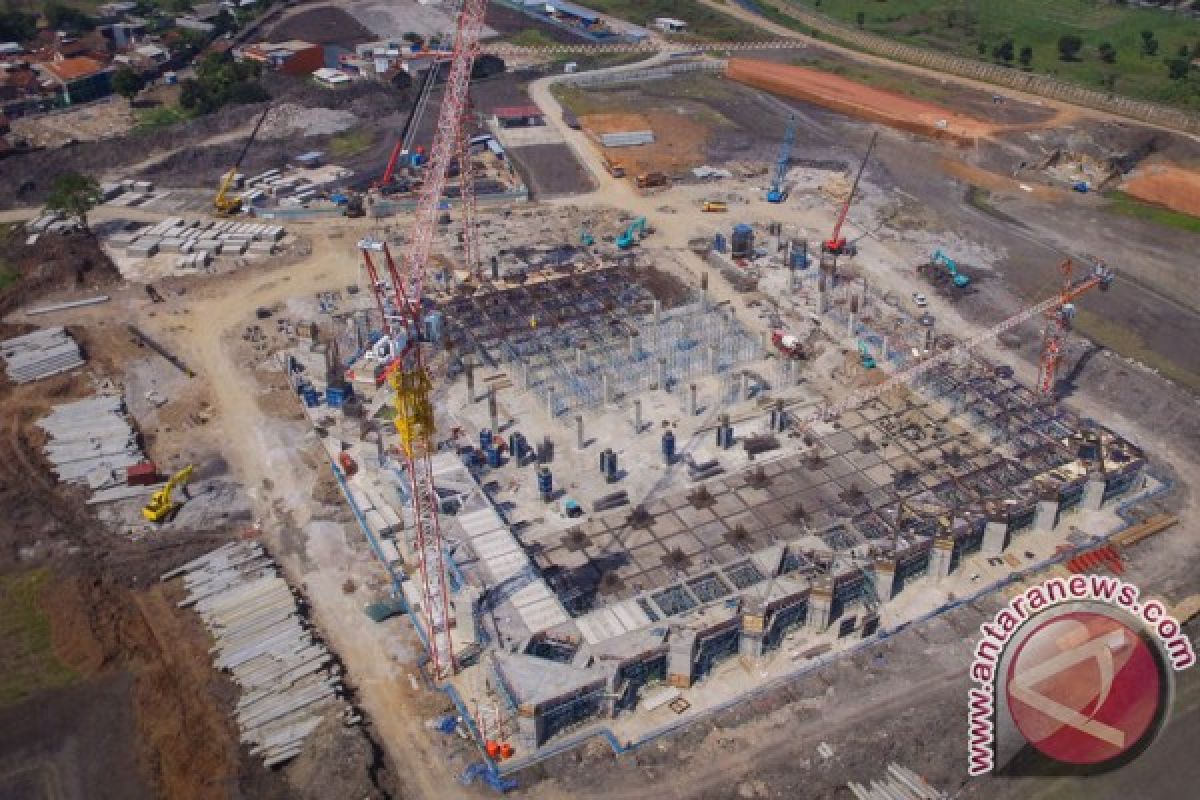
pixel 856 99
pixel 680 140
pixel 550 169
pixel 1166 185
pixel 74 261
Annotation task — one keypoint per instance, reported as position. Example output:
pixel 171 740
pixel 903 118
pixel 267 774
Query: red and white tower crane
pixel 1059 317
pixel 411 378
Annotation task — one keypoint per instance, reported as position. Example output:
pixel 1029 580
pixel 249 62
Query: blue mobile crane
pixel 778 193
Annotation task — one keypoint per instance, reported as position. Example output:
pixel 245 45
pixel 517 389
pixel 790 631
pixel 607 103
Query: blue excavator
pixel 633 233
pixel 777 192
pixel 585 237
pixel 941 259
pixel 864 354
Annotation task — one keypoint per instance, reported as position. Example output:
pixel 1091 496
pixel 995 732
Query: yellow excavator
pixel 229 204
pixel 162 506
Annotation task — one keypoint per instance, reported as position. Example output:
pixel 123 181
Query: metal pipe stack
pixel 288 681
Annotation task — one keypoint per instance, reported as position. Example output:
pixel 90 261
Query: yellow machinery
pixel 161 505
pixel 225 203
pixel 714 205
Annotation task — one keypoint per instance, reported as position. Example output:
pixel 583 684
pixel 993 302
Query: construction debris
pixel 91 442
pixel 288 680
pixel 40 354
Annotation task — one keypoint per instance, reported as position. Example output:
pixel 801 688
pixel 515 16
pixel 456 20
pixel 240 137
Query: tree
pixel 17 27
pixel 65 18
pixel 127 83
pixel 860 18
pixel 1069 47
pixel 1108 53
pixel 1026 57
pixel 1004 51
pixel 1177 68
pixel 75 195
pixel 1149 44
pixel 487 65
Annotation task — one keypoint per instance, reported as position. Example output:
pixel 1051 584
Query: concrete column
pixel 580 360
pixel 470 371
pixel 851 320
pixel 605 389
pixel 1046 516
pixel 680 653
pixel 743 386
pixel 579 440
pixel 765 339
pixel 493 412
pixel 940 557
pixel 883 349
pixel 753 633
pixel 780 416
pixel 1093 493
pixel 657 312
pixel 885 577
pixel 712 359
pixel 523 369
pixel 662 374
pixel 633 345
pixel 550 401
pixel 995 537
pixel 691 400
pixel 637 416
pixel 820 604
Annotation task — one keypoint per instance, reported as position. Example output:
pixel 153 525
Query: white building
pixel 670 25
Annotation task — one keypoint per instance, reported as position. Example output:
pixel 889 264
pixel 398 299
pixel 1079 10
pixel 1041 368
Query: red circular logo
pixel 1084 688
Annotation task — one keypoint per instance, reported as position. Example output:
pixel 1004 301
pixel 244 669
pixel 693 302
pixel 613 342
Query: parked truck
pixel 650 180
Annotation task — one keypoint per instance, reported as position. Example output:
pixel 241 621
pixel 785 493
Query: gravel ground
pixel 288 120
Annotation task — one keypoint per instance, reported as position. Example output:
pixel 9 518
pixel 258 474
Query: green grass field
pixel 27 660
pixel 961 26
pixel 152 119
pixel 1129 206
pixel 703 22
pixel 351 143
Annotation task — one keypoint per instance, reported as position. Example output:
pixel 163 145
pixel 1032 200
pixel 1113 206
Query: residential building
pixel 79 79
pixel 291 58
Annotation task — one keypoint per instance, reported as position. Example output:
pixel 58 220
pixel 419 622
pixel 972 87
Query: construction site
pixel 665 424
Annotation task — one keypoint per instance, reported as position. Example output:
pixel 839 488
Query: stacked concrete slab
pixel 91 442
pixel 201 237
pixel 287 679
pixel 51 222
pixel 40 354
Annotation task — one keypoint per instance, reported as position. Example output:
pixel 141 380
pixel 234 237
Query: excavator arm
pixel 162 504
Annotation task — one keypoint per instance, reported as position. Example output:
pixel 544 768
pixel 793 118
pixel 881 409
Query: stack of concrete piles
pixel 198 241
pixel 127 192
pixel 40 354
pixel 288 681
pixel 91 442
pixel 51 222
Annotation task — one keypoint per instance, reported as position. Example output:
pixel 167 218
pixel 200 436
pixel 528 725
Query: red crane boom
pixel 1059 317
pixel 835 243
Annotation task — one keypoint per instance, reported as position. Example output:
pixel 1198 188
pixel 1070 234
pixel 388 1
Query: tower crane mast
pixel 1059 316
pixel 411 379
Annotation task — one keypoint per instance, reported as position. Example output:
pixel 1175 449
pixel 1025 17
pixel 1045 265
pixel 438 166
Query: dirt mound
pixel 54 263
pixel 324 25
pixel 859 100
pixel 1166 185
pixel 337 762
